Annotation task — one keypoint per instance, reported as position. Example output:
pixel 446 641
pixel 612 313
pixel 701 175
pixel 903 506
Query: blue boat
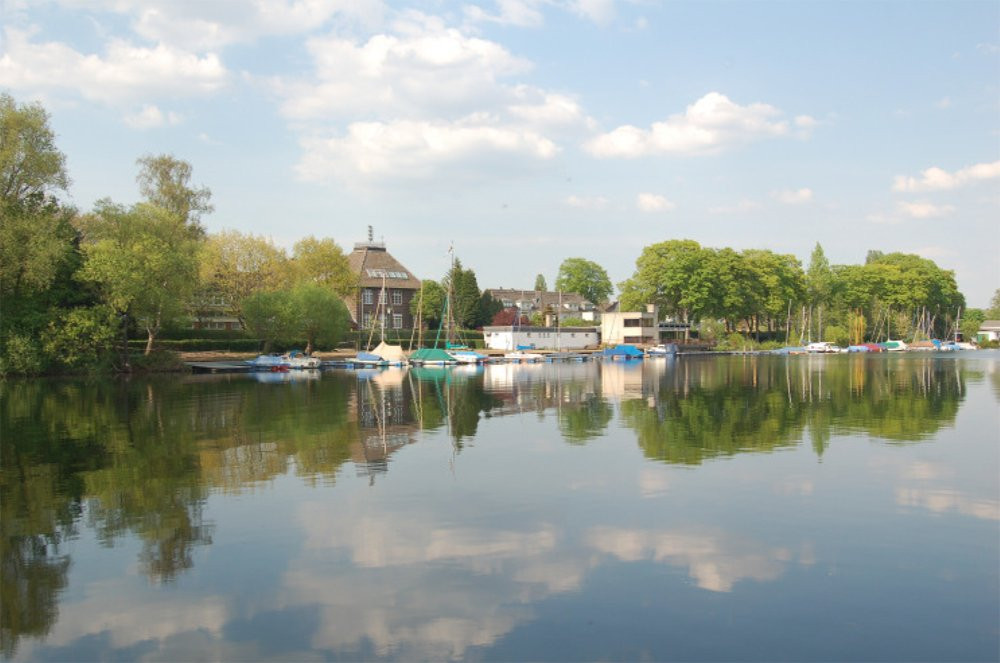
pixel 622 352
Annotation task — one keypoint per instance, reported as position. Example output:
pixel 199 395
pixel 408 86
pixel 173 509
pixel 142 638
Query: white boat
pixel 521 356
pixel 823 347
pixel 894 346
pixel 298 360
pixel 662 350
pixel 467 356
pixel 280 362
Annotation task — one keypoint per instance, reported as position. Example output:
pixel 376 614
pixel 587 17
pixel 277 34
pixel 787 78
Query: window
pixel 367 321
pixel 633 322
pixel 366 296
pixel 397 298
pixel 397 321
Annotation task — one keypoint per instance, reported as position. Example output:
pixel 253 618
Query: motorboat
pixel 662 350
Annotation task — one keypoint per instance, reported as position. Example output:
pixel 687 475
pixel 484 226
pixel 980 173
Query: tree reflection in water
pixel 140 458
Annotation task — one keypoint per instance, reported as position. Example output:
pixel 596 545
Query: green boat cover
pixel 430 354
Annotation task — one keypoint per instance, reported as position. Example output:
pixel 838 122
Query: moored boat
pixel 662 350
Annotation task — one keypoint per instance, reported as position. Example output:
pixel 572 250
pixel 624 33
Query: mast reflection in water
pixel 841 507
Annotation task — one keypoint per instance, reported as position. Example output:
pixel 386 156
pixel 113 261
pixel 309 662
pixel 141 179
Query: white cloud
pixel 510 12
pixel 124 73
pixel 923 209
pixel 937 179
pixel 793 197
pixel 600 12
pixel 151 117
pixel 587 202
pixel 413 149
pixel 709 125
pixel 651 202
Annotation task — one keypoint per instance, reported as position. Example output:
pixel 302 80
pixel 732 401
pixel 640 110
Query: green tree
pixel 994 310
pixel 165 181
pixel 323 262
pixel 819 284
pixel 586 278
pixel 30 163
pixel 319 315
pixel 540 283
pixel 144 261
pixel 237 265
pixel 677 275
pixel 428 305
pixel 269 316
pixel 488 309
pixel 465 295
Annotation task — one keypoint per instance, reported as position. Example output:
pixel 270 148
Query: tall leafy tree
pixel 144 260
pixel 323 262
pixel 165 181
pixel 236 266
pixel 677 275
pixel 465 295
pixel 586 278
pixel 30 163
pixel 540 284
pixel 428 305
pixel 318 314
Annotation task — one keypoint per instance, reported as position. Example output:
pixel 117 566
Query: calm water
pixel 834 508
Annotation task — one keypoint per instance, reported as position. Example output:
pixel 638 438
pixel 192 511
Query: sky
pixel 525 132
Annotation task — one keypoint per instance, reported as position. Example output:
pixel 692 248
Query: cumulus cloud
pixel 938 179
pixel 413 149
pixel 923 209
pixel 793 197
pixel 587 202
pixel 151 117
pixel 709 125
pixel 601 12
pixel 521 13
pixel 651 202
pixel 123 73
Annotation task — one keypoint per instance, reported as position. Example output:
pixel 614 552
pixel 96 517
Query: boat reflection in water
pixel 804 507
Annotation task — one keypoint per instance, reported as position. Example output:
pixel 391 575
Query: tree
pixel 819 282
pixel 144 261
pixel 465 295
pixel 165 181
pixel 319 315
pixel 268 315
pixel 488 308
pixel 508 317
pixel 30 164
pixel 322 261
pixel 586 278
pixel 236 266
pixel 428 305
pixel 540 283
pixel 677 275
pixel 994 310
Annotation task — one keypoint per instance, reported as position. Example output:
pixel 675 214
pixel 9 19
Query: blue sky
pixel 529 131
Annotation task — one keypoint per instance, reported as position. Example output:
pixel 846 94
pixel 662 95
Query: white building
pixel 509 338
pixel 633 327
pixel 989 331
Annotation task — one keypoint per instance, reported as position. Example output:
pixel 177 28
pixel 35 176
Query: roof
pixel 526 328
pixel 539 298
pixel 370 261
pixel 990 325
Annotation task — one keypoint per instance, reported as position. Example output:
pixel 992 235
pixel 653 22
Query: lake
pixel 700 508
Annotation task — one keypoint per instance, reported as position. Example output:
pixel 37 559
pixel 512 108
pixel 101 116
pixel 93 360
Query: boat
pixel 431 357
pixel 823 347
pixel 278 362
pixel 467 356
pixel 523 356
pixel 894 346
pixel 623 351
pixel 662 350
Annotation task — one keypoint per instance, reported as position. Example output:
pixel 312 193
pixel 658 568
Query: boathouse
pixel 380 276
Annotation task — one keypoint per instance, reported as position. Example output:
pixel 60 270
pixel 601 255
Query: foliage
pixel 165 180
pixel 144 260
pixel 972 319
pixel 322 261
pixel 236 266
pixel 993 312
pixel 488 309
pixel 586 278
pixel 268 316
pixel 540 284
pixel 319 315
pixel 465 295
pixel 30 163
pixel 577 322
pixel 837 335
pixel 428 305
pixel 81 338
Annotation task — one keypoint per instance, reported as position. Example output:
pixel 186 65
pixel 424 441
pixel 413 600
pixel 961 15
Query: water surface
pixel 699 508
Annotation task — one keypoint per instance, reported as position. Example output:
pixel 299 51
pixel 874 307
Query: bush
pixel 20 356
pixel 81 338
pixel 158 361
pixel 837 334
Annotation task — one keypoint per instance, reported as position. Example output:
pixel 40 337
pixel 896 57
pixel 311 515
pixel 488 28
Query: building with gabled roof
pixel 379 272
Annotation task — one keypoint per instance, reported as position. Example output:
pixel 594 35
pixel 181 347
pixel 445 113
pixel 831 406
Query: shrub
pixel 20 356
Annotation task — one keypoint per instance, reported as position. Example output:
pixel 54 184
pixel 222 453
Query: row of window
pixel 368 297
pixel 396 322
pixel 379 273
